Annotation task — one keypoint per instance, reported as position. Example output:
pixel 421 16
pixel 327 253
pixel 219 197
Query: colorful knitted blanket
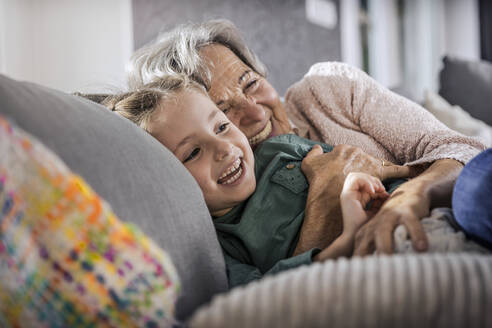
pixel 66 260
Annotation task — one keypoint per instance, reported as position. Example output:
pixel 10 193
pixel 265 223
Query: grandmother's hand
pixel 326 173
pixel 405 206
pixel 408 205
pixel 333 167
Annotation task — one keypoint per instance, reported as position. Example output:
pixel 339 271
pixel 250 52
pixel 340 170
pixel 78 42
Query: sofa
pixel 147 186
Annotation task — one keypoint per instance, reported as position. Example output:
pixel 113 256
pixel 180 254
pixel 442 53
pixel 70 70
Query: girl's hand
pixel 358 190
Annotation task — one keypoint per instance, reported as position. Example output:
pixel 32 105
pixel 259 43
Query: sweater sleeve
pixel 351 100
pixel 240 274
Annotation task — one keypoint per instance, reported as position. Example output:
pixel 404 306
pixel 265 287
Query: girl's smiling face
pixel 213 150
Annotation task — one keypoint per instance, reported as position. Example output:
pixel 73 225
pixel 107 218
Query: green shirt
pixel 259 236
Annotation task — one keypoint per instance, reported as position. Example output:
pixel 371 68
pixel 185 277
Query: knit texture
pixel 339 104
pixel 66 260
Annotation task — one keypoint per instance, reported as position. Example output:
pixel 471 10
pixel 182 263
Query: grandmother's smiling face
pixel 248 100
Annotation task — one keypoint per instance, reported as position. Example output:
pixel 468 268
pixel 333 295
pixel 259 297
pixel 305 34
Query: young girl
pixel 257 201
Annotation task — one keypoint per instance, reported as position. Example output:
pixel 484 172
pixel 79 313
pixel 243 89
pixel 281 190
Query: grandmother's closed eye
pixel 250 81
pixel 251 85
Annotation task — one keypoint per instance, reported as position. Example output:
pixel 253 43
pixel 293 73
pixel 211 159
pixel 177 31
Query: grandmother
pixel 374 128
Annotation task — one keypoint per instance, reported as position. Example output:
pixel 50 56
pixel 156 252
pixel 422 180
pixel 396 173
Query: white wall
pixel 350 39
pixel 69 45
pixel 411 61
pixel 424 45
pixel 462 28
pixel 434 29
pixel 384 42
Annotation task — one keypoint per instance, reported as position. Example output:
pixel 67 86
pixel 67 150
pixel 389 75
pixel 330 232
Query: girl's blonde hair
pixel 139 105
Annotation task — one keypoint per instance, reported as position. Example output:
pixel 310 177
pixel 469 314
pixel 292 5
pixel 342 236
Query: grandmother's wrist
pixel 321 180
pixel 437 181
pixel 416 186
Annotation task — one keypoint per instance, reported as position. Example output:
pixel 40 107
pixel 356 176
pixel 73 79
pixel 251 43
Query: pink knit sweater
pixel 340 104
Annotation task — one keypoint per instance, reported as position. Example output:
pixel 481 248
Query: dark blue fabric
pixel 472 198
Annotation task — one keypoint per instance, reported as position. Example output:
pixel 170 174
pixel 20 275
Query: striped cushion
pixel 431 290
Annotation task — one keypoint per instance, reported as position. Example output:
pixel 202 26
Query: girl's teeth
pixel 262 135
pixel 234 177
pixel 234 167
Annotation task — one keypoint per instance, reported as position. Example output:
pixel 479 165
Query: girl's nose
pixel 223 149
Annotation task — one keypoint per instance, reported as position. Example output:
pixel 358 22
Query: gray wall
pixel 276 30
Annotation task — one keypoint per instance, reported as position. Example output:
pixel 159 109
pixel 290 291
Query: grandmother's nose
pixel 251 112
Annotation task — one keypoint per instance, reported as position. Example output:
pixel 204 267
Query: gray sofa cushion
pixel 141 179
pixel 468 84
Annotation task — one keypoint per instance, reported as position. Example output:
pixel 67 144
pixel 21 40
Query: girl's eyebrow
pixel 184 141
pixel 191 136
pixel 213 114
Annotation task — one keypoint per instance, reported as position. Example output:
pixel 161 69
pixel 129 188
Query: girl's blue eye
pixel 223 127
pixel 225 111
pixel 194 153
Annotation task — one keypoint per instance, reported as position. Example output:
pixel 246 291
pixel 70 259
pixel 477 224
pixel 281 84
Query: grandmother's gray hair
pixel 177 52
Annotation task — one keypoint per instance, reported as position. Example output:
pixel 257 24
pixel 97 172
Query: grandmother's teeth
pixel 262 135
